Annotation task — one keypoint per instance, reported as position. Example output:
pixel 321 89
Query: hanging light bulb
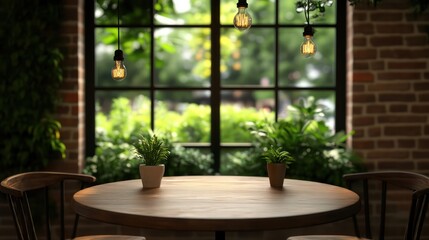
pixel 119 72
pixel 242 20
pixel 308 47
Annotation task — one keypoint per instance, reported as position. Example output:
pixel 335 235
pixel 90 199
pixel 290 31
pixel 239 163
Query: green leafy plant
pixel 112 162
pixel 115 160
pixel 317 7
pixel 277 155
pixel 31 76
pixel 150 150
pixel 187 161
pixel 320 154
pixel 117 131
pixel 419 6
pixel 243 162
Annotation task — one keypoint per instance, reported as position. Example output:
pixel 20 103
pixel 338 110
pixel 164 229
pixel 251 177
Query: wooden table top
pixel 216 203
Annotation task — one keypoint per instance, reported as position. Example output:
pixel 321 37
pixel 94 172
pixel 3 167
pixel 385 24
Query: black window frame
pixel 215 145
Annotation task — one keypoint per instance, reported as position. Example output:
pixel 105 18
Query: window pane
pixel 135 45
pixel 182 57
pixel 239 107
pixel 130 12
pixel 289 15
pixel 185 114
pixel 296 70
pixel 182 12
pixel 323 98
pixel 122 113
pixel 261 11
pixel 247 59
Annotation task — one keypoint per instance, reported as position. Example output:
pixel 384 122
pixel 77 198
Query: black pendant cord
pixel 119 39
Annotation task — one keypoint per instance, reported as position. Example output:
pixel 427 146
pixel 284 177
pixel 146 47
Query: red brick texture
pixel 71 111
pixel 390 86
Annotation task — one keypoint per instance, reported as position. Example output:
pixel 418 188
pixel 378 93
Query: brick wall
pixel 71 111
pixel 390 86
pixel 388 93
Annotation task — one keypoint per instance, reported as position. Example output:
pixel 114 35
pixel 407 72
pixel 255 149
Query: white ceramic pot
pixel 151 175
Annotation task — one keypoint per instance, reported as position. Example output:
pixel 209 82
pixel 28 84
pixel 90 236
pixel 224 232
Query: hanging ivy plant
pixel 419 6
pixel 30 76
pixel 317 7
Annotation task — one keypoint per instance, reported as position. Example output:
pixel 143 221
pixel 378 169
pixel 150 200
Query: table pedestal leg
pixel 220 235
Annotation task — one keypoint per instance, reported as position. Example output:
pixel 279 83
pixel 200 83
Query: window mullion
pixel 89 79
pixel 276 62
pixel 152 67
pixel 215 84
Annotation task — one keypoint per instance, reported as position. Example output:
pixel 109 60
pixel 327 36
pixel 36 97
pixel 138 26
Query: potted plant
pixel 320 154
pixel 152 153
pixel 278 161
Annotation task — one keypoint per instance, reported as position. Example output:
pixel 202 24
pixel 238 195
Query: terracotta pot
pixel 151 175
pixel 276 174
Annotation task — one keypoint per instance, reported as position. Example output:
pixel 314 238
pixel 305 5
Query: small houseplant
pixel 152 153
pixel 320 154
pixel 278 161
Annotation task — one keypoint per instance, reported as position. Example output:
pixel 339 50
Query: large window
pixel 191 73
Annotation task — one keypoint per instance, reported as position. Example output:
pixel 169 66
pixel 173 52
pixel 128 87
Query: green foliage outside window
pixel 319 153
pixel 182 59
pixel 120 128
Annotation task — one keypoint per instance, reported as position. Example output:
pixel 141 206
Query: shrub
pixel 320 154
pixel 115 160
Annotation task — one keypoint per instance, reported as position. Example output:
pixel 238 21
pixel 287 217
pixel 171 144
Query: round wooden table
pixel 216 203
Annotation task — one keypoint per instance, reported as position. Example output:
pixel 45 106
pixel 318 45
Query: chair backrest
pixel 417 185
pixel 22 187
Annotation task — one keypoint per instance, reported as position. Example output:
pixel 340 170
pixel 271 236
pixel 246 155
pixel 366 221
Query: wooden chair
pixel 20 189
pixel 417 184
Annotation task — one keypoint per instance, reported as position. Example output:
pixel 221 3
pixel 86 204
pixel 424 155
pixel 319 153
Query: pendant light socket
pixel 242 3
pixel 308 30
pixel 119 55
